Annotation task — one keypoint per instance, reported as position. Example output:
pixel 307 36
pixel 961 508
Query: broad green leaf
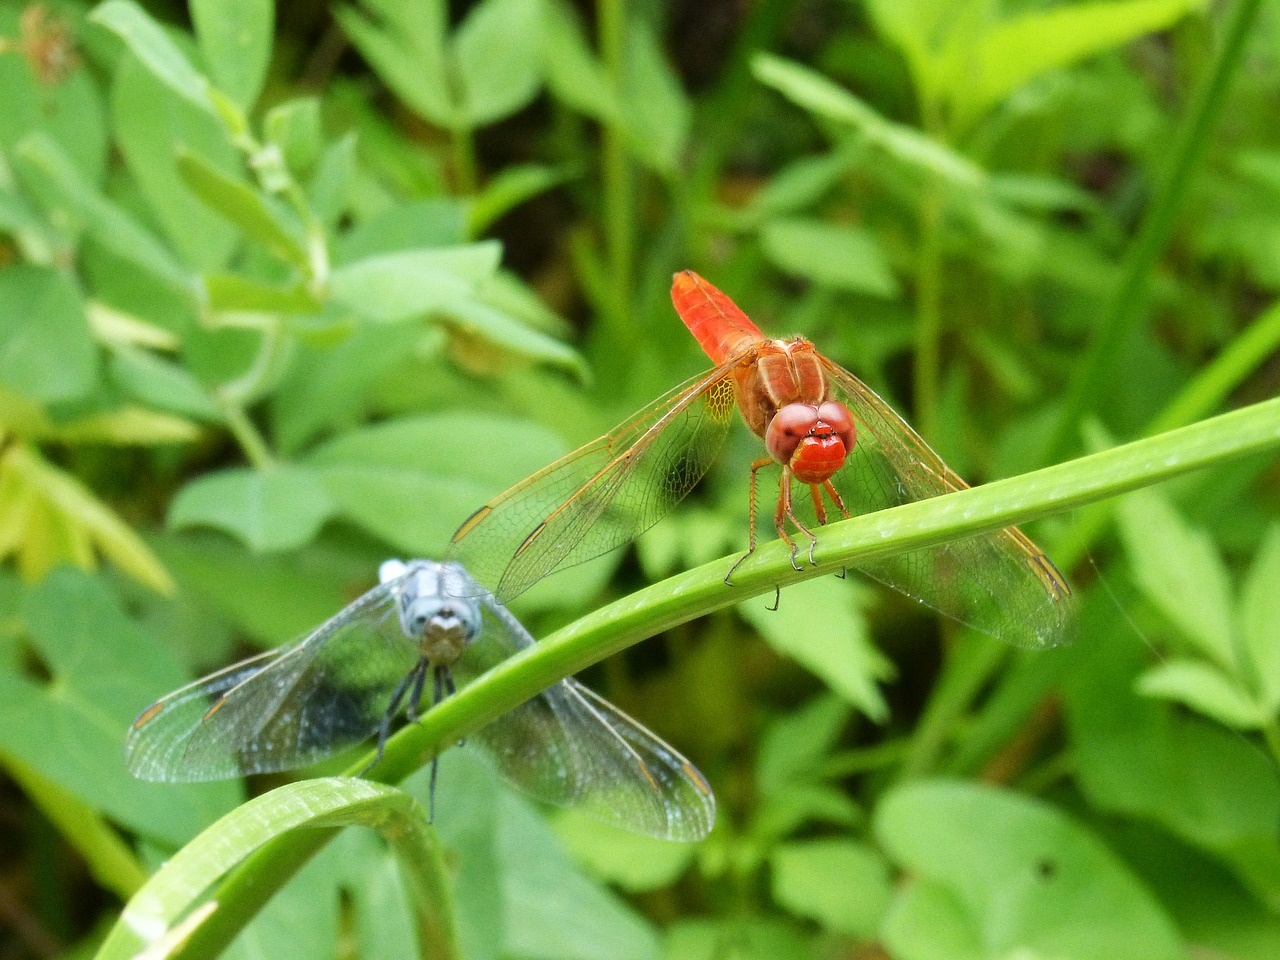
pixel 841 884
pixel 151 45
pixel 102 670
pixel 1179 570
pixel 740 937
pixel 818 624
pixel 1258 620
pixel 630 862
pixel 1013 51
pixel 496 49
pixel 410 283
pixel 125 426
pixel 834 255
pixel 161 383
pixel 405 45
pixel 581 921
pixel 802 183
pixel 927 921
pixel 433 224
pixel 152 125
pixel 1205 689
pixel 326 387
pixel 656 115
pixel 573 73
pixel 331 184
pixel 46 350
pixel 243 206
pixel 1029 878
pixel 278 508
pixel 235 40
pixel 41 160
pixel 412 481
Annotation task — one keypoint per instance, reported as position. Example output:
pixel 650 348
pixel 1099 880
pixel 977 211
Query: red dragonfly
pixel 823 426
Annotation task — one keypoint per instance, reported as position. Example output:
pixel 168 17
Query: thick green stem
pixel 929 307
pixel 1126 307
pixel 618 186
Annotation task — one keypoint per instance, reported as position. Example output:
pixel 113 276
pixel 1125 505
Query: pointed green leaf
pixel 1259 624
pixel 1205 689
pixel 656 114
pixel 152 46
pixel 573 72
pixel 834 255
pixel 236 42
pixel 409 283
pixel 243 206
pixel 1179 570
pixel 818 623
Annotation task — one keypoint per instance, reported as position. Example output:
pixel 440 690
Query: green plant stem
pixel 619 214
pixel 697 592
pixel 971 664
pixel 927 371
pixel 463 145
pixel 1125 308
pixel 250 440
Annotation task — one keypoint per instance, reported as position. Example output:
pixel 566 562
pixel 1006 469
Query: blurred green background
pixel 284 292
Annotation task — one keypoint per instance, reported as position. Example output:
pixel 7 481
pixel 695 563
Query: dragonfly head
pixel 813 439
pixel 443 625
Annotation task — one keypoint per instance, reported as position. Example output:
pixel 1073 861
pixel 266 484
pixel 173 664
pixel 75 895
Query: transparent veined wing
pixel 999 582
pixel 572 748
pixel 602 495
pixel 282 709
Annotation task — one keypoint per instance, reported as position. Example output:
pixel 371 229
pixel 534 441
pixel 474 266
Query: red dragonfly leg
pixel 835 498
pixel 785 510
pixel 751 508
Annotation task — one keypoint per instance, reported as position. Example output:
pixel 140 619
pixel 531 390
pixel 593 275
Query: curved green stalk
pixel 1124 309
pixel 700 591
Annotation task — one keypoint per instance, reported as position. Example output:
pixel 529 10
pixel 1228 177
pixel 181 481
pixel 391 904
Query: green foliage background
pixel 284 292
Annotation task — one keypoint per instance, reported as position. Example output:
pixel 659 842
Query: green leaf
pixel 802 183
pixel 510 188
pixel 656 115
pixel 152 124
pixel 1257 617
pixel 928 922
pixel 841 884
pixel 844 257
pixel 498 328
pixel 1204 688
pixel 160 383
pixel 573 73
pixel 46 349
pixel 496 49
pixel 275 509
pixel 819 625
pixel 631 862
pixel 236 43
pixel 1028 878
pixel 410 283
pixel 295 127
pixel 825 99
pixel 740 937
pixel 411 482
pixel 1014 51
pixel 70 728
pixel 234 293
pixel 243 206
pixel 153 47
pixel 1179 570
pixel 795 744
pixel 40 159
pixel 405 45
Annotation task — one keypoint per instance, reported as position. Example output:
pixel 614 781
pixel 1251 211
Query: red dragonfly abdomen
pixel 721 329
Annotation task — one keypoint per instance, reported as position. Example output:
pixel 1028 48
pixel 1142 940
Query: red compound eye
pixel 789 426
pixel 837 417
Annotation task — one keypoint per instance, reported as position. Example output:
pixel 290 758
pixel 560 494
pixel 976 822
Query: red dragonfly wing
pixel 716 322
pixel 602 495
pixel 999 582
